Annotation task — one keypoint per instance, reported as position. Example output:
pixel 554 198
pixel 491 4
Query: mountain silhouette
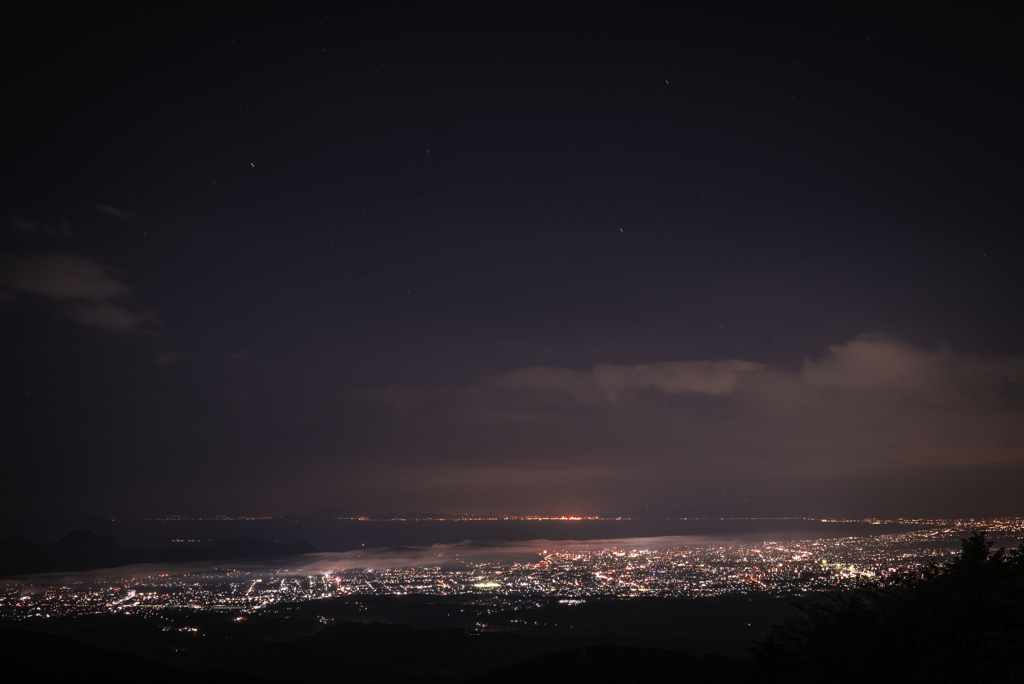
pixel 83 550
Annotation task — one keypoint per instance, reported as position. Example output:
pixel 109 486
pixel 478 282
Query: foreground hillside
pixel 964 622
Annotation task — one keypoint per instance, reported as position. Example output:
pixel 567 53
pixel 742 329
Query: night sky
pixel 733 261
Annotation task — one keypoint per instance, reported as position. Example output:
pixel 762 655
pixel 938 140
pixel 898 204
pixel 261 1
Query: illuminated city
pixel 567 576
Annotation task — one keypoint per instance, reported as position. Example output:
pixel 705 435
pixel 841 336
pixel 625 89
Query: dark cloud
pixel 103 314
pixel 63 276
pixel 113 212
pixel 60 275
pixel 870 406
pixel 607 381
pixel 19 225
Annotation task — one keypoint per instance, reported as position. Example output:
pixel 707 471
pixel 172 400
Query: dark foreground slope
pixel 613 664
pixel 360 652
pixel 961 623
pixel 30 656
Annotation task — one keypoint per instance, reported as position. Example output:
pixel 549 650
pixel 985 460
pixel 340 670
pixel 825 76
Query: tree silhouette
pixel 963 622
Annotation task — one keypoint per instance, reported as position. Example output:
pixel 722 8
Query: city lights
pixel 568 576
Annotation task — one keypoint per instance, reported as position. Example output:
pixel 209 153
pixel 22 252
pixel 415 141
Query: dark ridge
pixel 51 529
pixel 610 664
pixel 31 656
pixel 378 652
pixel 83 550
pixel 350 630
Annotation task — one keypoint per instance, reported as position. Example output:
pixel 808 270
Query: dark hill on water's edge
pixel 83 550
